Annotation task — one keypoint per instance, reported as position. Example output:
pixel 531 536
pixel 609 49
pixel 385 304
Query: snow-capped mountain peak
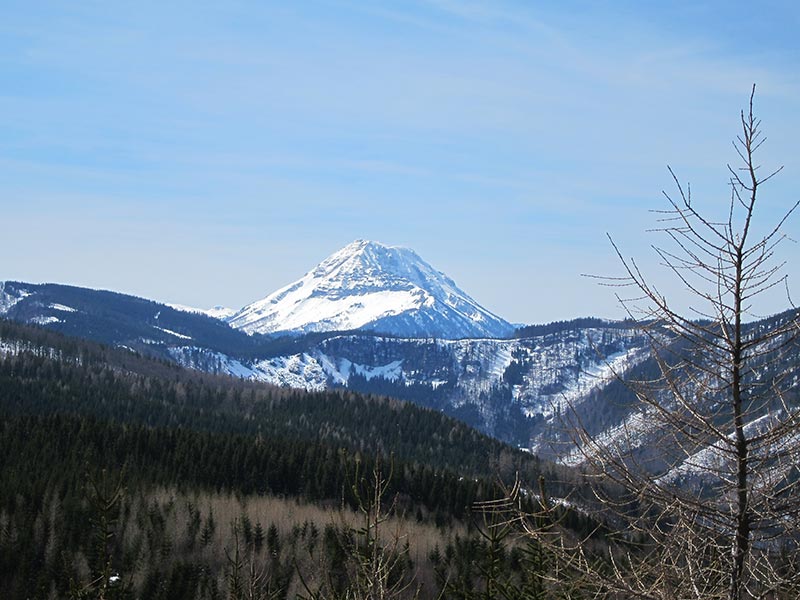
pixel 368 285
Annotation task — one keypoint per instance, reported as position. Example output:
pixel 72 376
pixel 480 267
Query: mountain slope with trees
pixel 79 417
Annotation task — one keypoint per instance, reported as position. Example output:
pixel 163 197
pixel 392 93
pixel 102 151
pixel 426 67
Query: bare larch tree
pixel 700 484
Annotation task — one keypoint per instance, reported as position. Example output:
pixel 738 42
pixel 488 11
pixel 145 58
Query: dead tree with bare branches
pixel 705 472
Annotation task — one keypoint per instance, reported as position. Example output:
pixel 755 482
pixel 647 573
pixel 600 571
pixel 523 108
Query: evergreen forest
pixel 124 476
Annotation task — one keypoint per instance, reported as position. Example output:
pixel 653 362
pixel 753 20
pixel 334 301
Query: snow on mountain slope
pixel 298 371
pixel 538 376
pixel 222 313
pixel 9 296
pixel 367 285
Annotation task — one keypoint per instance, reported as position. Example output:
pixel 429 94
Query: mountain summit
pixel 367 285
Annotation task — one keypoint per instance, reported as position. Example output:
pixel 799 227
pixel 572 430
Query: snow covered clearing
pixel 63 308
pixel 175 333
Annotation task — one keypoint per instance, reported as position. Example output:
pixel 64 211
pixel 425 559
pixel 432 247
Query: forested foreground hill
pixel 126 473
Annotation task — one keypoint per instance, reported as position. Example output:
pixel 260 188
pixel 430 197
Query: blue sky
pixel 208 153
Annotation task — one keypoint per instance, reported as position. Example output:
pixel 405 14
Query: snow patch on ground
pixel 218 312
pixel 718 457
pixel 500 361
pixel 175 333
pixel 7 348
pixel 298 371
pixel 625 437
pixel 481 363
pixel 391 371
pixel 42 320
pixel 301 371
pixel 203 359
pixel 594 376
pixel 7 300
pixel 16 347
pixel 63 308
pixel 328 365
pixel 339 371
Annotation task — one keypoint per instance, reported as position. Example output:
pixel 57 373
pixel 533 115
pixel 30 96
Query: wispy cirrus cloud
pixel 458 128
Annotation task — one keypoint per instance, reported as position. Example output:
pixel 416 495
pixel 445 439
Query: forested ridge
pixel 50 373
pixel 179 442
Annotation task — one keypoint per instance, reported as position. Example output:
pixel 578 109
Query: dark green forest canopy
pixel 72 409
pixel 49 375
